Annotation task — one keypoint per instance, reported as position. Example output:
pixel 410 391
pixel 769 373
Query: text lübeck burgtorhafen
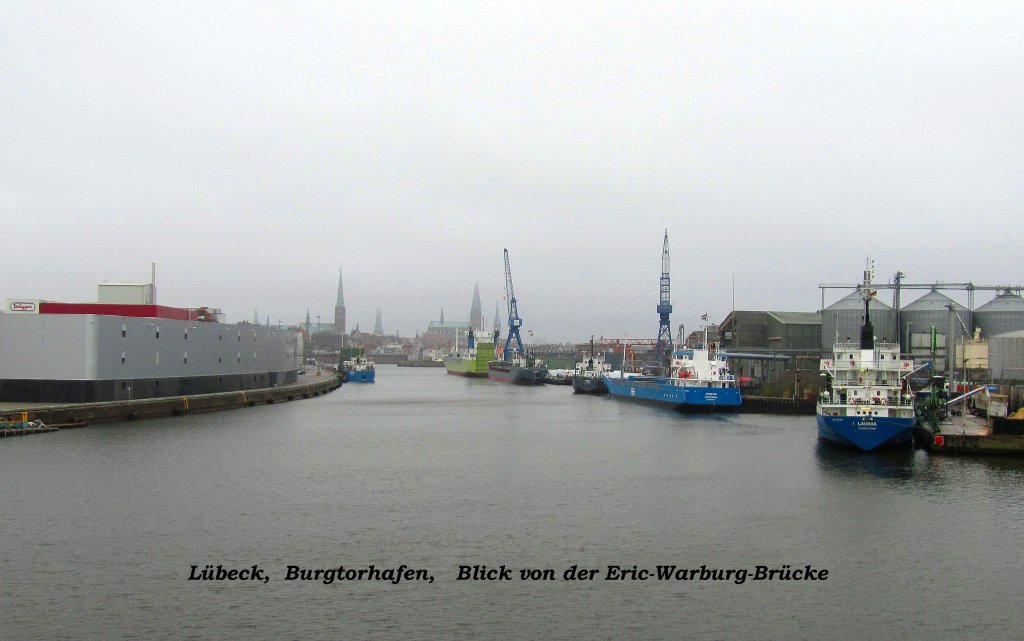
pixel 620 573
pixel 782 573
pixel 326 576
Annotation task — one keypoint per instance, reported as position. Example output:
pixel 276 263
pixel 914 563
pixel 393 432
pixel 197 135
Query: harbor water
pixel 102 526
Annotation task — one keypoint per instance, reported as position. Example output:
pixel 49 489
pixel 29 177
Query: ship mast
pixel 867 332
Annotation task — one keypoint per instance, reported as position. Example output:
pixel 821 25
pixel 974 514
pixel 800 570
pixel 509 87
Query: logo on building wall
pixel 23 306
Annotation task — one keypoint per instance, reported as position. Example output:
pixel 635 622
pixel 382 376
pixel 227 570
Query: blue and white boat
pixel 699 380
pixel 359 370
pixel 866 403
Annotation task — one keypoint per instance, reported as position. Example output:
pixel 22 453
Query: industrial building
pixel 781 348
pixel 126 347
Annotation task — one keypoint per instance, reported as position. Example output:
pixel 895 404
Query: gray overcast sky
pixel 251 149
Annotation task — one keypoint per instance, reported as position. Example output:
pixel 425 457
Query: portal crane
pixel 663 347
pixel 514 322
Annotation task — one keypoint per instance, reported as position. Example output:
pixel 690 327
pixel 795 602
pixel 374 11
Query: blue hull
pixel 361 376
pixel 660 392
pixel 865 432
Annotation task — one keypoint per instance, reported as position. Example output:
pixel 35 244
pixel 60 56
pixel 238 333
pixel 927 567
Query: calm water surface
pixel 101 525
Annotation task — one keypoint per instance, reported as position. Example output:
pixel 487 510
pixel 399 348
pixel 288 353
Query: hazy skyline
pixel 251 150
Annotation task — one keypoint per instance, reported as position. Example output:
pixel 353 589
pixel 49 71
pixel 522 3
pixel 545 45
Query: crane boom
pixel 514 322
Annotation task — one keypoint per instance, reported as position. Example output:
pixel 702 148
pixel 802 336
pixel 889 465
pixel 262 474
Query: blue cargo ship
pixel 359 370
pixel 699 380
pixel 866 404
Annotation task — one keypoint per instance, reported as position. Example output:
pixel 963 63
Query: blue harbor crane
pixel 663 346
pixel 514 322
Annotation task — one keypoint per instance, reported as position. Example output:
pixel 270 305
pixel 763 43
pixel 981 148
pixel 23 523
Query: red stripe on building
pixel 107 309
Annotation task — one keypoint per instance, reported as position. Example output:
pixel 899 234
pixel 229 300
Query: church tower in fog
pixel 339 309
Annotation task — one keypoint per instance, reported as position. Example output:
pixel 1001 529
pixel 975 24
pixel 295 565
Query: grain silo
pixel 1002 314
pixel 917 319
pixel 841 321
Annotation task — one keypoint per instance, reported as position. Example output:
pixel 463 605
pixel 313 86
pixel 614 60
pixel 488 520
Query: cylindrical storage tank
pixel 844 318
pixel 1006 357
pixel 1001 315
pixel 933 310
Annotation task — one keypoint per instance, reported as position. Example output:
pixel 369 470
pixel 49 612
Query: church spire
pixel 341 292
pixel 339 310
pixel 476 312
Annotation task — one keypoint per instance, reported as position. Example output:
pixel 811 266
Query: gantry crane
pixel 663 346
pixel 514 322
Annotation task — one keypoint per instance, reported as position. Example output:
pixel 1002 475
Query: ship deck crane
pixel 514 322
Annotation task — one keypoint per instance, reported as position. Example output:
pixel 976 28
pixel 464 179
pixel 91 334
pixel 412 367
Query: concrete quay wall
pixel 112 411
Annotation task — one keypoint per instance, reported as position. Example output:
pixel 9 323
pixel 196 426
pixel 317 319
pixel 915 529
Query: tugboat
pixel 698 380
pixel 515 366
pixel 867 403
pixel 588 375
pixel 359 370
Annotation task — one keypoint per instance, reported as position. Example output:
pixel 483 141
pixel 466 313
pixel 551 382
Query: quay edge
pixel 948 442
pixel 771 405
pixel 76 414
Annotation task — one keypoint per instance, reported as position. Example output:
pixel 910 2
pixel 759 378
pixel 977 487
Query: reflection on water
pixel 101 524
pixel 900 463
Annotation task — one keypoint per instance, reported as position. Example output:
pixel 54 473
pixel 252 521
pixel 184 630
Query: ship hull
pixel 509 373
pixel 658 391
pixel 865 433
pixel 360 376
pixel 464 369
pixel 475 367
pixel 583 385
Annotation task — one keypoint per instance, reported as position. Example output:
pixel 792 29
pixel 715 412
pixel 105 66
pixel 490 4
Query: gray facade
pixel 1006 357
pixel 86 357
pixel 771 332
